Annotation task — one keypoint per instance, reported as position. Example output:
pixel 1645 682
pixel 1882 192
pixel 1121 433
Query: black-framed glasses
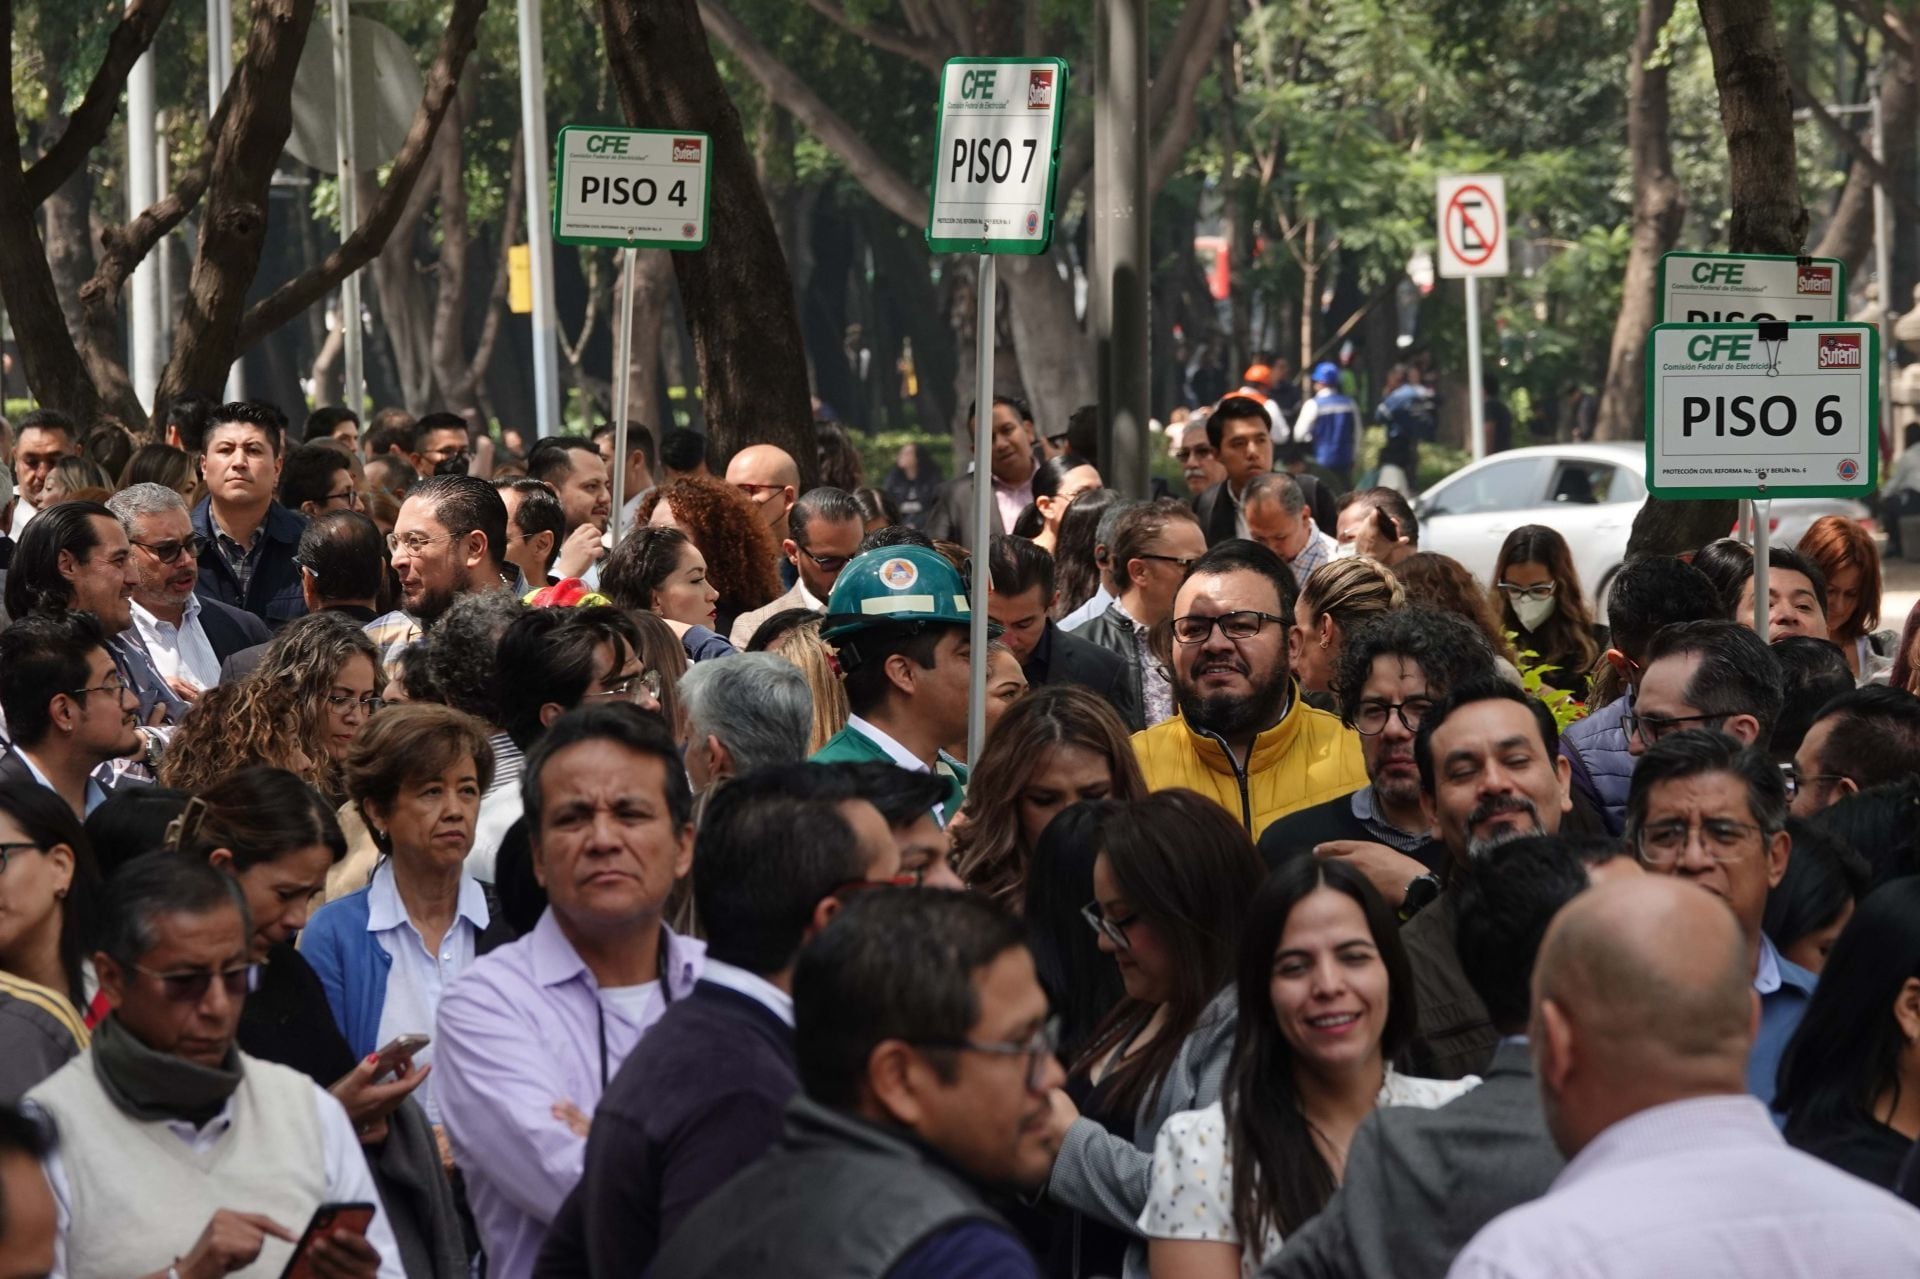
pixel 169 551
pixel 1114 930
pixel 1538 591
pixel 191 988
pixel 1184 561
pixel 341 701
pixel 1371 717
pixel 826 563
pixel 10 851
pixel 1241 624
pixel 1038 1049
pixel 351 496
pixel 1651 728
pixel 1725 840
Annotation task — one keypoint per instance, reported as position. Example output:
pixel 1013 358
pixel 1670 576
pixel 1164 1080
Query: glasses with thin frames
pixel 1725 840
pixel 1241 624
pixel 1039 1050
pixel 169 551
pixel 368 704
pixel 114 685
pixel 416 543
pixel 755 490
pixel 624 688
pixel 1538 591
pixel 1371 719
pixel 1114 930
pixel 191 988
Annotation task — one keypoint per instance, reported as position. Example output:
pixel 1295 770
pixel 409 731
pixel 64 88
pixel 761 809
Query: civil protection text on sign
pixel 1773 410
pixel 632 188
pixel 997 153
pixel 1738 288
pixel 1471 226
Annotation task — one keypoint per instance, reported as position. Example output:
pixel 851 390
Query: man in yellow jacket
pixel 1243 735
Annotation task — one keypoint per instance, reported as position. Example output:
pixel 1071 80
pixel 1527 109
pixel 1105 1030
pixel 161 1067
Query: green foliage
pixel 1566 708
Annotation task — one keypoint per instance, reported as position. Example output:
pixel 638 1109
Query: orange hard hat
pixel 1258 374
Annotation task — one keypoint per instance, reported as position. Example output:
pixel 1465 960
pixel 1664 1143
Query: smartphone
pixel 328 1219
pixel 400 1048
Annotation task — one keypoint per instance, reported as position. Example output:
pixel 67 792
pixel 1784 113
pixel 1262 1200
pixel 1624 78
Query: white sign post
pixel 1761 411
pixel 630 189
pixel 1472 217
pixel 996 153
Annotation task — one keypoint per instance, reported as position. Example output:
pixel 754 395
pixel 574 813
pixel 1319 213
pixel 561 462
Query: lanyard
pixel 600 1011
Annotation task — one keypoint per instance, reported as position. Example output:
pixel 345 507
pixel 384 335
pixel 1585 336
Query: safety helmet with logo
pixel 892 592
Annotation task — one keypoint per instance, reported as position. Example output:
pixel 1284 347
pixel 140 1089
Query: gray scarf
pixel 154 1086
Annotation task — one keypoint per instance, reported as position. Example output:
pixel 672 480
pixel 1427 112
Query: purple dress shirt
pixel 524 1029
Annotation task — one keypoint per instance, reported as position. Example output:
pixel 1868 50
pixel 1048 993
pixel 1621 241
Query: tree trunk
pixel 652 299
pixel 1767 216
pixel 737 295
pixel 449 340
pixel 1056 359
pixel 234 228
pixel 1659 207
pixel 1849 234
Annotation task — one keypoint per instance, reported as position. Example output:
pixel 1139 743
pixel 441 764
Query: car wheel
pixel 1601 596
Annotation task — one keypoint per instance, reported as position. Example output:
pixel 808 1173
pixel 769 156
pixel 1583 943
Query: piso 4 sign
pixel 1762 411
pixel 632 188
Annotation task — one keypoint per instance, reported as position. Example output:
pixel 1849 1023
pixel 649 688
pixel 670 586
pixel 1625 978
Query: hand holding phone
pixel 401 1048
pixel 335 1245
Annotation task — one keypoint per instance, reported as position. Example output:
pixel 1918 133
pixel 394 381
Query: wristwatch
pixel 1420 894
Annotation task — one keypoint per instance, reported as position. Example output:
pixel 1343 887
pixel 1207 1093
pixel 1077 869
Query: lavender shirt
pixel 521 1031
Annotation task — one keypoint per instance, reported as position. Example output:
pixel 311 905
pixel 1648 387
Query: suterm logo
pixel 1840 351
pixel 1816 279
pixel 686 150
pixel 1039 89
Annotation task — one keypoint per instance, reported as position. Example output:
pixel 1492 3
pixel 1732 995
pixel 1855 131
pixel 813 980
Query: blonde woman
pixel 1335 596
pixel 803 646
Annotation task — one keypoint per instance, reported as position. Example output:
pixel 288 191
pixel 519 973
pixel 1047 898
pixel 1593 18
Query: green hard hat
pixel 893 587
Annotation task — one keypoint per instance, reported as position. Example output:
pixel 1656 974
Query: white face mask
pixel 1345 551
pixel 1532 613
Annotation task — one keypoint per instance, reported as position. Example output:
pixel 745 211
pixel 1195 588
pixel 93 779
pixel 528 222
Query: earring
pixel 59 894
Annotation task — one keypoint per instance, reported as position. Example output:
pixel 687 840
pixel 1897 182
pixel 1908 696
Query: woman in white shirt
pixel 1326 1001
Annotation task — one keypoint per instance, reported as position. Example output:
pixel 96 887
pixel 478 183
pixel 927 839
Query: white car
pixel 1589 493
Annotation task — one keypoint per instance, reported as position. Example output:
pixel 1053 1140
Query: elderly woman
pixel 386 953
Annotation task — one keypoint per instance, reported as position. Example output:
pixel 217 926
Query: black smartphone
pixel 328 1219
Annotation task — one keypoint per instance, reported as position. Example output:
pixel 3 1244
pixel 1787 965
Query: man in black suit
pixel 1022 595
pixel 67 707
pixel 1420 1183
pixel 1239 431
pixel 695 1104
pixel 184 635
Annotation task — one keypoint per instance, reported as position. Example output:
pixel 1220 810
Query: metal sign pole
pixel 982 509
pixel 622 372
pixel 1762 517
pixel 1476 400
pixel 354 382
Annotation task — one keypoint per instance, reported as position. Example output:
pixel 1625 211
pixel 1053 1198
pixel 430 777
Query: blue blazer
pixel 273 593
pixel 353 966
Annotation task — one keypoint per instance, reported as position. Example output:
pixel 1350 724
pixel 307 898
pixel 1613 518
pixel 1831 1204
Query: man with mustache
pixel 1490 771
pixel 1243 735
pixel 1392 670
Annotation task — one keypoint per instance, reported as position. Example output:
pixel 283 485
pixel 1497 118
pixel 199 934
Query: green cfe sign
pixel 1750 288
pixel 998 143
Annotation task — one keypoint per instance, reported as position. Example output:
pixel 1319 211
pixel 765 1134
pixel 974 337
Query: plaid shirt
pixel 241 560
pixel 1318 550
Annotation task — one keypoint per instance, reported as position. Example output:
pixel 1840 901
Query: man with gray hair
pixel 1278 519
pixel 747 711
pixel 186 636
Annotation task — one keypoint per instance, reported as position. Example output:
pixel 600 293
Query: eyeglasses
pixel 1038 1050
pixel 114 685
pixel 10 851
pixel 755 490
pixel 1538 591
pixel 1796 780
pixel 826 563
pixel 1371 718
pixel 169 551
pixel 649 680
pixel 341 701
pixel 1185 562
pixel 1725 840
pixel 191 988
pixel 416 543
pixel 1242 624
pixel 1199 453
pixel 350 496
pixel 1114 930
pixel 1651 728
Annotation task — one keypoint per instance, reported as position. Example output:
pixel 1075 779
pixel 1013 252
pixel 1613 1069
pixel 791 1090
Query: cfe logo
pixel 1840 351
pixel 608 143
pixel 1718 272
pixel 686 150
pixel 1815 279
pixel 1718 347
pixel 1040 89
pixel 977 84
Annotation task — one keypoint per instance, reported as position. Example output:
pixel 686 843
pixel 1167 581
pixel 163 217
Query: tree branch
pixel 1172 97
pixel 502 274
pixel 925 52
pixel 1880 20
pixel 88 124
pixel 1862 153
pixel 884 183
pixel 359 248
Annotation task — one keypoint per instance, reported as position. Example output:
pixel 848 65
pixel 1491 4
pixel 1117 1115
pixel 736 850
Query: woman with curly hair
pixel 739 550
pixel 1444 584
pixel 300 710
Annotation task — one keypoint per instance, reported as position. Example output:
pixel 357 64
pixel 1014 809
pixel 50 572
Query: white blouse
pixel 1191 1196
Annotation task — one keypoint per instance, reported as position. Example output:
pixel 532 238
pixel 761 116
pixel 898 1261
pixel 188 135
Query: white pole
pixel 143 188
pixel 219 73
pixel 354 383
pixel 1762 517
pixel 533 121
pixel 982 509
pixel 1476 402
pixel 622 371
pixel 163 248
pixel 1883 270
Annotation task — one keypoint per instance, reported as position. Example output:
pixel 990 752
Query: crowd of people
pixel 401 875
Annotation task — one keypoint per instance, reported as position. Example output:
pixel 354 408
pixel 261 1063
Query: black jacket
pixel 273 593
pixel 230 629
pixel 1111 632
pixel 1215 509
pixel 1060 658
pixel 1296 834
